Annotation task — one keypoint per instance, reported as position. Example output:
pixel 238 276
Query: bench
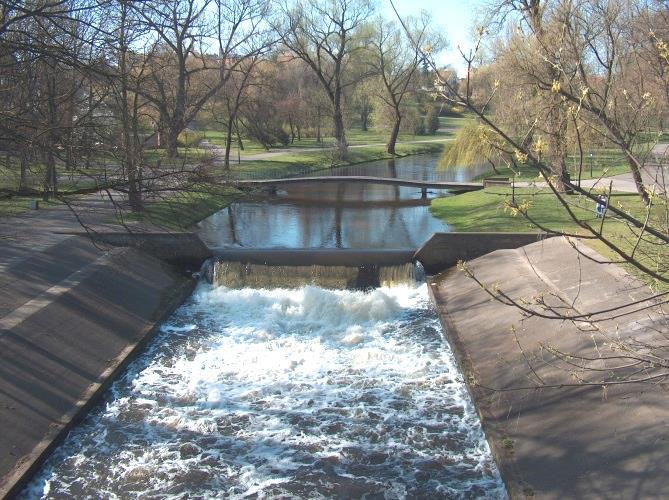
pixel 496 181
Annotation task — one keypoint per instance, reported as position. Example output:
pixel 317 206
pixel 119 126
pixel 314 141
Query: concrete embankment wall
pixel 68 337
pixel 553 435
pixel 181 249
pixel 439 252
pixel 444 250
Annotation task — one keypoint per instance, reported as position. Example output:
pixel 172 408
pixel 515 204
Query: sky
pixel 456 17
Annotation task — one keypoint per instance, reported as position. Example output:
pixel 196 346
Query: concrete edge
pixel 183 249
pixel 443 250
pixel 504 459
pixel 337 257
pixel 30 464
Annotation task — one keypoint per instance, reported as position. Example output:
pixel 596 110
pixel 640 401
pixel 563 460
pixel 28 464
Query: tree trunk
pixel 23 180
pixel 340 134
pixel 171 141
pixel 292 129
pixel 390 147
pixel 635 168
pixel 228 144
pixel 50 186
pixel 134 190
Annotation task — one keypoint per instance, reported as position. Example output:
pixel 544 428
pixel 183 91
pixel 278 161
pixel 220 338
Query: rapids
pixel 301 392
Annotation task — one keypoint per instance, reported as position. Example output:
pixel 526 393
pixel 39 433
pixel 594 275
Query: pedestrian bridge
pixel 359 179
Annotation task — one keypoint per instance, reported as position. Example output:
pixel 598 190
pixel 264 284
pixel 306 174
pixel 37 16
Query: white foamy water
pixel 284 393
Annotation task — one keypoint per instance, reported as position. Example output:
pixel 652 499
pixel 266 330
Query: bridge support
pixel 423 192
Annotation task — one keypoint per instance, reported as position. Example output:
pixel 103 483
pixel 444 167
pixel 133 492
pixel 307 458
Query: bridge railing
pixel 246 173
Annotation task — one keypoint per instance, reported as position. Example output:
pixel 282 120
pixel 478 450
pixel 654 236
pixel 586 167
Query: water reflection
pixel 341 215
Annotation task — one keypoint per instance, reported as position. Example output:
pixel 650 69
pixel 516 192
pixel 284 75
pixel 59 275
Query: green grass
pixel 17 205
pixel 452 121
pixel 492 210
pixel 184 209
pixel 604 164
pixel 487 210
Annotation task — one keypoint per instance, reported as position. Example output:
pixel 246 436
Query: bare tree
pixel 183 76
pixel 325 34
pixel 396 60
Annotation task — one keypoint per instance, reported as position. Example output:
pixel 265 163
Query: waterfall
pixel 234 274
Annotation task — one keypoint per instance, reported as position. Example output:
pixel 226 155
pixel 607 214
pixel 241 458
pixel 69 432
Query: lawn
pixel 19 204
pixel 492 209
pixel 604 163
pixel 181 210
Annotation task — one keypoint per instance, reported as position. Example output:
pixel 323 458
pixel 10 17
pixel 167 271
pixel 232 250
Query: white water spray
pixel 295 393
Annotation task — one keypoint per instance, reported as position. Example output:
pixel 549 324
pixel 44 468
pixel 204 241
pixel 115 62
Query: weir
pixel 234 274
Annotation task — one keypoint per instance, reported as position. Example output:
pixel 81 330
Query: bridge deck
pixel 456 186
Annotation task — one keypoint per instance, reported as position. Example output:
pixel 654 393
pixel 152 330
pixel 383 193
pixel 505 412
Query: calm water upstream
pixel 290 393
pixel 339 215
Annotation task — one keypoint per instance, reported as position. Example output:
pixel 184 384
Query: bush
pixel 432 120
pixel 419 127
pixel 189 138
pixel 282 137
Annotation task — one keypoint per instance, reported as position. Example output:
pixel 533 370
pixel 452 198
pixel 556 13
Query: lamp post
pixel 591 164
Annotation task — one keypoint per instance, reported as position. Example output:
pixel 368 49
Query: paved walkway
pixel 653 176
pixel 558 443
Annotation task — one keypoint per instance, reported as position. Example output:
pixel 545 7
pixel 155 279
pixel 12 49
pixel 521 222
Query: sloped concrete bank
pixel 75 317
pixel 565 441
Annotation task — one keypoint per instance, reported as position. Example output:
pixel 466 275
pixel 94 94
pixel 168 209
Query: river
pixel 297 392
pixel 340 215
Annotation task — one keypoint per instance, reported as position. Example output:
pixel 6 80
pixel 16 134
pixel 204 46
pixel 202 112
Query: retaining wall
pixel 444 250
pixel 60 350
pixel 181 249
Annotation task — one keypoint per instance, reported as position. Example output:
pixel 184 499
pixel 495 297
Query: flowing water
pixel 264 385
pixel 301 392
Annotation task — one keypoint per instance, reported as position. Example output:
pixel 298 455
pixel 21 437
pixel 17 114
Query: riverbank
pixel 72 316
pixel 564 441
pixel 500 209
pixel 183 210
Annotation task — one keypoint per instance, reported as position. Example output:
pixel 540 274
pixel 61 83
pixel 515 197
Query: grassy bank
pixel 602 164
pixel 16 205
pixel 180 211
pixel 305 162
pixel 184 209
pixel 493 209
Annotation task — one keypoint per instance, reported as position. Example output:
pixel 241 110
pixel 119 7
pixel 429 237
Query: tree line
pixel 89 82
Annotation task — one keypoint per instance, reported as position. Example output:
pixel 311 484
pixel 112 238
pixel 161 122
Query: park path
pixel 655 176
